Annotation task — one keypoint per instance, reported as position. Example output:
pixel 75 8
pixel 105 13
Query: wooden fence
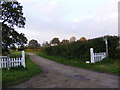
pixel 6 62
pixel 95 57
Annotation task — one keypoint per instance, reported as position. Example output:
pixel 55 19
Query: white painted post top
pixel 91 49
pixel 23 51
pixel 106 42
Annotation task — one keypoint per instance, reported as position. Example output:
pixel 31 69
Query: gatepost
pixel 92 55
pixel 23 58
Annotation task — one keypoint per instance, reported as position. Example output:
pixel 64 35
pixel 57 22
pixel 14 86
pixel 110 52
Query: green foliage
pixel 55 41
pixel 22 48
pixel 65 41
pixel 81 49
pixel 112 45
pixel 33 44
pixel 12 17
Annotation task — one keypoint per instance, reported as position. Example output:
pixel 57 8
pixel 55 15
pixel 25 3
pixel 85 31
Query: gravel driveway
pixel 57 75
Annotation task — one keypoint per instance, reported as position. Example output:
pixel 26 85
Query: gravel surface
pixel 57 75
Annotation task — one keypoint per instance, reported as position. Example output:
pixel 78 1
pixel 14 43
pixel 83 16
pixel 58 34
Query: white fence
pixel 95 57
pixel 12 62
pixel 3 56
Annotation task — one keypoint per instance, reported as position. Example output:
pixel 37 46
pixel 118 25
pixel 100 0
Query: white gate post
pixel 23 58
pixel 92 55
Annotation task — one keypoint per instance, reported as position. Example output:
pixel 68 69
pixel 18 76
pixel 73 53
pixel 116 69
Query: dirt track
pixel 57 75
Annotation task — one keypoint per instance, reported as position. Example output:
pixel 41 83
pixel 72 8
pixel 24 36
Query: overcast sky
pixel 47 19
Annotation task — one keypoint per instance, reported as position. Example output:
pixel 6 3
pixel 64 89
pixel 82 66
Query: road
pixel 56 75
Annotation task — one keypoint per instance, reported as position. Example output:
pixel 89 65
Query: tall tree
pixel 83 39
pixel 55 41
pixel 12 16
pixel 45 44
pixel 65 41
pixel 72 39
pixel 33 44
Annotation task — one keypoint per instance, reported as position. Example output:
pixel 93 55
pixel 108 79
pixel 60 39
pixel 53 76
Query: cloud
pixel 25 1
pixel 106 12
pixel 47 8
pixel 47 19
pixel 53 3
pixel 76 20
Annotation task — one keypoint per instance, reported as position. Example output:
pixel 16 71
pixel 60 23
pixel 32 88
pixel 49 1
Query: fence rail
pixel 3 56
pixel 96 57
pixel 12 62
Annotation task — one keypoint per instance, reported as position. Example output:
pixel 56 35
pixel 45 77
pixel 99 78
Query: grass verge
pixel 17 75
pixel 106 66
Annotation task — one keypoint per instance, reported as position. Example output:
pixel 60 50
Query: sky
pixel 46 19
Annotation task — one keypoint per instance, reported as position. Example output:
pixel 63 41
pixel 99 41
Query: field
pixel 20 74
pixel 107 65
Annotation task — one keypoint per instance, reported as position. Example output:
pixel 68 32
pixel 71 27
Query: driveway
pixel 56 75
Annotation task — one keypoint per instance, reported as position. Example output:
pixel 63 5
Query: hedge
pixel 81 49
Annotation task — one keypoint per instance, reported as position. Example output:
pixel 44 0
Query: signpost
pixel 106 43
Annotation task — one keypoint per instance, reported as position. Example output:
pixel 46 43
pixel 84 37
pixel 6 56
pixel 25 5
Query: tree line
pixel 73 48
pixel 33 44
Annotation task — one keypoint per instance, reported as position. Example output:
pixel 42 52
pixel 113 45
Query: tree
pixel 65 41
pixel 83 39
pixel 72 39
pixel 45 44
pixel 20 48
pixel 12 16
pixel 55 41
pixel 33 44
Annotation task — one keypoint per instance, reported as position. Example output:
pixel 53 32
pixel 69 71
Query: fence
pixel 3 56
pixel 6 62
pixel 95 57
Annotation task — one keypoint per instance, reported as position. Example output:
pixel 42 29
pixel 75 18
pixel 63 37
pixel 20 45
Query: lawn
pixel 107 65
pixel 20 74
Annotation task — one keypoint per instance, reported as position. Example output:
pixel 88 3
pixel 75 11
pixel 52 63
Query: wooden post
pixel 23 58
pixel 106 45
pixel 8 62
pixel 92 55
pixel 0 62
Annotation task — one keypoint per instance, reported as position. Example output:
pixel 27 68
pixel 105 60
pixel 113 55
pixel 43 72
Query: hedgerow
pixel 81 49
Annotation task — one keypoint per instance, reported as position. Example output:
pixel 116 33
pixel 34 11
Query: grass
pixel 106 66
pixel 20 74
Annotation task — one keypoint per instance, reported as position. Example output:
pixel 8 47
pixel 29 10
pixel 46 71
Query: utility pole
pixel 0 44
pixel 118 48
